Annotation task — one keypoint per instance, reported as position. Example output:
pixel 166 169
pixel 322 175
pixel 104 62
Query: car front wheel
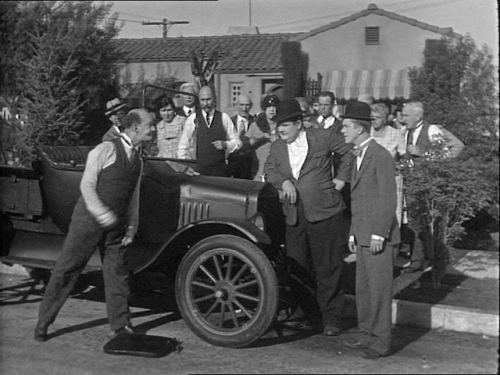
pixel 227 291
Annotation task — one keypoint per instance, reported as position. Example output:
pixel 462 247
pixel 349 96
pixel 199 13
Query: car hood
pixel 220 189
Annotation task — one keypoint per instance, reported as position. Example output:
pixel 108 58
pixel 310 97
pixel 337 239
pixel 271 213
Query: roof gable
pixel 373 9
pixel 248 53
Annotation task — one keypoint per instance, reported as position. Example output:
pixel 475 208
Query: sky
pixel 479 18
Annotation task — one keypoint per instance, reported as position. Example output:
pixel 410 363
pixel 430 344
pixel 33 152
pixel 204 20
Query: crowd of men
pixel 338 182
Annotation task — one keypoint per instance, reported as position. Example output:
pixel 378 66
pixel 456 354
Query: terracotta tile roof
pixel 373 9
pixel 238 53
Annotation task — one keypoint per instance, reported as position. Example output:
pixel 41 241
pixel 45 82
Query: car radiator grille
pixel 193 211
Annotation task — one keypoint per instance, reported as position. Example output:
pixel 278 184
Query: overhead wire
pixel 397 4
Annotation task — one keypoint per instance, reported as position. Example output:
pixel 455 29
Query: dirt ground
pixel 81 330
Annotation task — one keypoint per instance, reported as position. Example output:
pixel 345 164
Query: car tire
pixel 227 291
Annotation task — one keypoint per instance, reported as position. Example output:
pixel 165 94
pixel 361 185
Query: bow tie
pixel 358 150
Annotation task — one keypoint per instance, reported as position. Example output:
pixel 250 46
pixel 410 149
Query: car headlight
pixel 259 221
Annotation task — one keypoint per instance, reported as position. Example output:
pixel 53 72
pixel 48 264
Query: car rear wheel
pixel 227 291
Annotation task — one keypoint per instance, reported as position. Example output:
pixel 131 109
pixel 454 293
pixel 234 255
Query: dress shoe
pixel 331 331
pixel 371 354
pixel 357 330
pixel 128 330
pixel 355 344
pixel 305 326
pixel 41 332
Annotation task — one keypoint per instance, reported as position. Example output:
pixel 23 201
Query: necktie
pixel 188 112
pixel 358 151
pixel 134 156
pixel 241 127
pixel 410 137
pixel 322 123
pixel 208 120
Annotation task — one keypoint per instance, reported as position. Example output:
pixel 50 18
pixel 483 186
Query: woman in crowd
pixel 262 133
pixel 169 129
pixel 394 141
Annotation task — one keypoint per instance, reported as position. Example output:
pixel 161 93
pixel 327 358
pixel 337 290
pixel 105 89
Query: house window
pixel 372 35
pixel 235 91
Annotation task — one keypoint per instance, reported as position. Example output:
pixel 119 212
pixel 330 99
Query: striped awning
pixel 381 83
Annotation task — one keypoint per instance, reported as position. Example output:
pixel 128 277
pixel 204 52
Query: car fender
pixel 194 232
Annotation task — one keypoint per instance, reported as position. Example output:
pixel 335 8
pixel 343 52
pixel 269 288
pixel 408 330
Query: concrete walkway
pixel 475 264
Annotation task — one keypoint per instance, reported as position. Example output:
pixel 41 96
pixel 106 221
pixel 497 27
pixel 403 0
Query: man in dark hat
pixel 116 111
pixel 374 233
pixel 300 167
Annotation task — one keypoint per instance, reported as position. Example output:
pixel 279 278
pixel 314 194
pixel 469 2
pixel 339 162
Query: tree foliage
pixel 51 101
pixel 57 66
pixel 457 84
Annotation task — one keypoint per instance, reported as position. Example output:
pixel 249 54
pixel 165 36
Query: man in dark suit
pixel 300 167
pixel 327 119
pixel 240 161
pixel 374 232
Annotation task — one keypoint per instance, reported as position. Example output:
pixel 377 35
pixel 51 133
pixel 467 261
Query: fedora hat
pixel 114 106
pixel 288 110
pixel 358 111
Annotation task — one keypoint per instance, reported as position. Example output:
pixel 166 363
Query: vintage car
pixel 220 237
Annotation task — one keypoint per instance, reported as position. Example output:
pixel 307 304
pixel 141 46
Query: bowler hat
pixel 114 106
pixel 288 110
pixel 358 111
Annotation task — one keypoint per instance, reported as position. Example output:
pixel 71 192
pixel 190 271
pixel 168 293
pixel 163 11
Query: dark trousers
pixel 84 235
pixel 374 295
pixel 319 245
pixel 240 165
pixel 346 222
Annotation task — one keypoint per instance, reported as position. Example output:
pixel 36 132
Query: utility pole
pixel 164 23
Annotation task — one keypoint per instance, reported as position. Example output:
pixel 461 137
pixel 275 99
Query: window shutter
pixel 372 35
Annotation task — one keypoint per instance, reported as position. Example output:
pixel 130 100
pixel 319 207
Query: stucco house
pixel 367 52
pixel 249 64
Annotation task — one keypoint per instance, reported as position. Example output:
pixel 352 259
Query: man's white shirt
pixel 328 121
pixel 297 152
